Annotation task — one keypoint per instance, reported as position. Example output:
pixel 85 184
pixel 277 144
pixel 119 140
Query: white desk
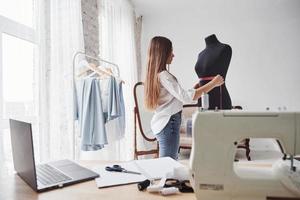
pixel 12 187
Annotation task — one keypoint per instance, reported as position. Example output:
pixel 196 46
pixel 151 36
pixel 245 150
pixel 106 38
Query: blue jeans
pixel 168 138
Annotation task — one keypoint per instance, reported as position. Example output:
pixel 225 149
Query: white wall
pixel 264 35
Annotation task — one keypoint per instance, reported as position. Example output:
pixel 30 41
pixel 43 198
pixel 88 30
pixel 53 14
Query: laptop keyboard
pixel 48 175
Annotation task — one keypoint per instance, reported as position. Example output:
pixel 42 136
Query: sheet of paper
pixel 108 179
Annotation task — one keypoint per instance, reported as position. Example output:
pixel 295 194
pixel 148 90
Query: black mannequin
pixel 213 60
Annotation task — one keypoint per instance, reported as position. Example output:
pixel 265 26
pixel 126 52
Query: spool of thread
pixel 143 185
pixel 159 186
pixel 154 188
pixel 169 191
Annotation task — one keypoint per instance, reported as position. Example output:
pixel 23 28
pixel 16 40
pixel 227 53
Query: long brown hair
pixel 158 53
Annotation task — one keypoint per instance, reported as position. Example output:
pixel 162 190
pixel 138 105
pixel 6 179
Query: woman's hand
pixel 197 85
pixel 218 80
pixel 215 82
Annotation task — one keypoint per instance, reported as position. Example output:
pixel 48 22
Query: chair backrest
pixel 142 120
pixel 144 116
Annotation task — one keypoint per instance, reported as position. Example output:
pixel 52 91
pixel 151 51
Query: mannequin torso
pixel 213 60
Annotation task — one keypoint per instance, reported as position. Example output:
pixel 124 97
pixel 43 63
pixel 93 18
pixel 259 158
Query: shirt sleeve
pixel 175 89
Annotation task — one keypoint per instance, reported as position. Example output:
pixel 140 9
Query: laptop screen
pixel 23 155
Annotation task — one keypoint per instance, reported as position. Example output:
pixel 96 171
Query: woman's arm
pixel 187 96
pixel 174 88
pixel 215 82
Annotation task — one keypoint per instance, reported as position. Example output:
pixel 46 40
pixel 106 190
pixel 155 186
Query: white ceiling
pixel 149 8
pixel 154 7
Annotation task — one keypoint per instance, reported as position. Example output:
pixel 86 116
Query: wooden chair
pixel 142 119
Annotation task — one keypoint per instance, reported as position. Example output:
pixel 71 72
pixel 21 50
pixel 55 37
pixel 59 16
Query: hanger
pixel 96 69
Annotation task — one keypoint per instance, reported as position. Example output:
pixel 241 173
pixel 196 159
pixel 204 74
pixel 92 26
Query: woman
pixel 164 94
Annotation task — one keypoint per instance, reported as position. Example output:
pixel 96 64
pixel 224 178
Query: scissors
pixel 118 168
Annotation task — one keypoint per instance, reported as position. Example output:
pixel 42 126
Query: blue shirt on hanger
pixel 92 112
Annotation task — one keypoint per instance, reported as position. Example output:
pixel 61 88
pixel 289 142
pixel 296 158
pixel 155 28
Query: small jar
pixel 205 101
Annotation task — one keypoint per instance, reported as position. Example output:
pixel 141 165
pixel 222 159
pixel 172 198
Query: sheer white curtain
pixel 60 36
pixel 138 41
pixel 117 44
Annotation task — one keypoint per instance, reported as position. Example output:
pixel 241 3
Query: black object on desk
pixel 143 185
pixel 118 168
pixel 183 186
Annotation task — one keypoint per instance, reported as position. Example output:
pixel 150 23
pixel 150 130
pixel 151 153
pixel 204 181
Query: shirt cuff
pixel 191 93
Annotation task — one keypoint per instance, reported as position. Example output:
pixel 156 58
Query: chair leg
pixel 135 156
pixel 245 145
pixel 247 141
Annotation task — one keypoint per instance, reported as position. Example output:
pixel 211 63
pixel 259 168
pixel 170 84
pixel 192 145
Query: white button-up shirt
pixel 171 99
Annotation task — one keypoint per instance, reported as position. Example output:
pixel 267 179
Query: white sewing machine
pixel 212 158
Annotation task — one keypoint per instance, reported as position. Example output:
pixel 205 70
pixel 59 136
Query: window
pixel 20 11
pixel 18 72
pixel 18 77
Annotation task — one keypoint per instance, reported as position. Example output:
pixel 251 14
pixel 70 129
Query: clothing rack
pixel 100 60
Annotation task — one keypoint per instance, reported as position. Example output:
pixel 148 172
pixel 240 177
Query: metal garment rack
pixel 100 60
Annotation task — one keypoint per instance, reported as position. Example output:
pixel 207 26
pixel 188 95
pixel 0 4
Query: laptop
pixel 46 176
